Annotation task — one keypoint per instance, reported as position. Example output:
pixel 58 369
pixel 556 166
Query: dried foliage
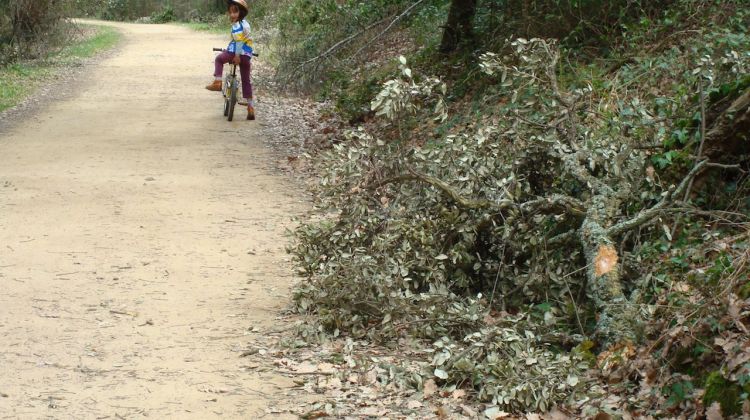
pixel 537 211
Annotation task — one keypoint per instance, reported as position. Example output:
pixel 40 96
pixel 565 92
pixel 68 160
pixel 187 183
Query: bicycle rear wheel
pixel 232 101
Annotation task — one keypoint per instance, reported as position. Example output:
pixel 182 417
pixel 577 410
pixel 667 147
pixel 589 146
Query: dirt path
pixel 141 240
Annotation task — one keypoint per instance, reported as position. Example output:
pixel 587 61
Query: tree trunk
pixel 730 135
pixel 615 317
pixel 459 30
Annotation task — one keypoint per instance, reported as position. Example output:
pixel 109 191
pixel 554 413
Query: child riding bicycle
pixel 239 51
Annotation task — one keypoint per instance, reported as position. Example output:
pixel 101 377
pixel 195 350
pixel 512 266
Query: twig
pixel 114 311
pixel 573 300
pixel 698 155
pixel 617 65
pixel 336 46
pixel 647 214
pixel 390 25
pixel 494 286
pixel 289 372
pixel 466 351
pixel 553 202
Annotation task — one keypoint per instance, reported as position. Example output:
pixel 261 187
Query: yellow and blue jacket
pixel 241 40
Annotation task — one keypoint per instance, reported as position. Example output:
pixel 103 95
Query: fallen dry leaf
pixel 555 414
pixel 305 367
pixel 333 383
pixel 468 411
pixel 413 404
pixel 495 413
pixel 714 412
pixel 430 388
pixel 326 368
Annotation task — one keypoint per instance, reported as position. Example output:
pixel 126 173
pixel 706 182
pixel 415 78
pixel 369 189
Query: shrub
pixel 165 15
pixel 24 22
pixel 436 227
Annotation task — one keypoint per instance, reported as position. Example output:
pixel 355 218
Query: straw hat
pixel 240 3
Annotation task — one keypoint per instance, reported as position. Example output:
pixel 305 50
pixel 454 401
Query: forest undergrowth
pixel 541 222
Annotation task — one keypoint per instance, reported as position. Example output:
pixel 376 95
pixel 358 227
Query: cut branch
pixel 647 214
pixel 572 162
pixel 455 196
pixel 555 202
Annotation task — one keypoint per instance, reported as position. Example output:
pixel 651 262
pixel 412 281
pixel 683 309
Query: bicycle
pixel 229 89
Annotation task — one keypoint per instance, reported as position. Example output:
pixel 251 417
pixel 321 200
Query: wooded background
pixel 23 21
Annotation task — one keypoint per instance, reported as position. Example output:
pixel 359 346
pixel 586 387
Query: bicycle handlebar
pixel 222 49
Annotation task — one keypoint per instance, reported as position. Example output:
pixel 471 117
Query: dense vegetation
pixel 533 202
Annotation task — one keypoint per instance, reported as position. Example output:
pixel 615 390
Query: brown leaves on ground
pixel 353 380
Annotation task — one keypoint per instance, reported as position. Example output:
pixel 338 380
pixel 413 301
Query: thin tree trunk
pixel 730 135
pixel 459 29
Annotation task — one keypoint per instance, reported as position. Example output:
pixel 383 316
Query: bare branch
pixel 335 47
pixel 555 202
pixel 563 238
pixel 646 215
pixel 455 196
pixel 390 25
pixel 572 162
pixel 344 42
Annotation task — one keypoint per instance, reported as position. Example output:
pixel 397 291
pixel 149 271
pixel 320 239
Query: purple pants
pixel 226 57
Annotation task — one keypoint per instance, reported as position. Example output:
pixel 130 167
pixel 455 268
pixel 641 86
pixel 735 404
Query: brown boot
pixel 250 112
pixel 214 86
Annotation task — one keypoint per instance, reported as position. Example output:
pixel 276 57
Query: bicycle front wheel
pixel 232 101
pixel 225 94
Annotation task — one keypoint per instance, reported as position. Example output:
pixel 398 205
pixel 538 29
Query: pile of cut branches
pixel 513 244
